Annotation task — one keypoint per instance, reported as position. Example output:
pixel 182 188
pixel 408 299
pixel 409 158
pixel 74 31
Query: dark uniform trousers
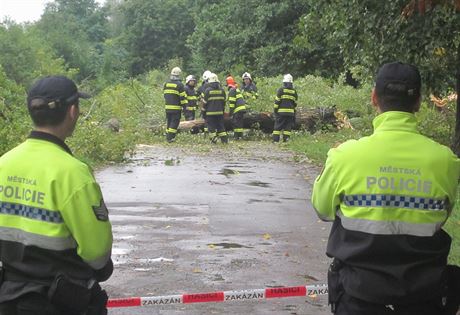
pixel 348 305
pixel 237 122
pixel 216 125
pixel 285 123
pixel 173 120
pixel 38 304
pixel 443 303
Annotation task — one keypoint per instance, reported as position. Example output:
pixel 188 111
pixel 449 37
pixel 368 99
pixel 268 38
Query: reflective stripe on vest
pixel 389 227
pixel 214 113
pixel 173 107
pixel 286 110
pixel 288 97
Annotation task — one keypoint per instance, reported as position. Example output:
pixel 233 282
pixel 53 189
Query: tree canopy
pixel 126 38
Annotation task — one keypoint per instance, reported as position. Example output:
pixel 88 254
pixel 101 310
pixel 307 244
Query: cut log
pixel 307 119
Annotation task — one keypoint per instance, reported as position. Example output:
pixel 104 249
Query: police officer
pixel 284 109
pixel 237 107
pixel 389 195
pixel 55 234
pixel 192 98
pixel 175 98
pixel 214 106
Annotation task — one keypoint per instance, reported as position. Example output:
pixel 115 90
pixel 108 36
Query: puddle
pixel 228 245
pixel 154 260
pixel 172 162
pixel 258 184
pixel 124 237
pixel 120 251
pixel 260 200
pixel 228 172
pixel 120 218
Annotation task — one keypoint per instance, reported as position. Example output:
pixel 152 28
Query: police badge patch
pixel 101 212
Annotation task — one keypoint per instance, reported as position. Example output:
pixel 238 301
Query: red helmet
pixel 230 81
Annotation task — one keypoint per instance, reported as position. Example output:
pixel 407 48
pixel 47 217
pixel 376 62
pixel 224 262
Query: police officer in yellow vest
pixel 389 195
pixel 55 234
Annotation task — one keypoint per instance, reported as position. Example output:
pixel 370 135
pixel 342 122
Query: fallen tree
pixel 306 119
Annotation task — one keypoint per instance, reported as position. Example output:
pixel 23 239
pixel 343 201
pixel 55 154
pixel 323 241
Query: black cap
pixel 53 92
pixel 398 79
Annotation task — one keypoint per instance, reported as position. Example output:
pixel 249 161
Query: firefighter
pixel 237 107
pixel 214 106
pixel 389 195
pixel 200 94
pixel 51 213
pixel 248 87
pixel 284 108
pixel 175 98
pixel 192 98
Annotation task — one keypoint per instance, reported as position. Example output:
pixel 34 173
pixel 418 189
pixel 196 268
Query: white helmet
pixel 190 78
pixel 246 75
pixel 288 78
pixel 213 78
pixel 206 75
pixel 176 71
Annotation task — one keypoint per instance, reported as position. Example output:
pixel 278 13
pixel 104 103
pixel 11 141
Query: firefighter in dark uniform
pixel 214 106
pixel 175 98
pixel 389 194
pixel 192 98
pixel 237 107
pixel 249 88
pixel 55 233
pixel 284 108
pixel 200 93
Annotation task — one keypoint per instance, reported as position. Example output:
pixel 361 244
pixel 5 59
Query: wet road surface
pixel 227 218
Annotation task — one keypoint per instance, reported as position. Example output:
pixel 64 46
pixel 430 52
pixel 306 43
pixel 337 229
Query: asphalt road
pixel 229 218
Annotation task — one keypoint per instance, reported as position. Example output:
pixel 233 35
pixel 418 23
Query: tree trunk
pixel 308 119
pixel 456 142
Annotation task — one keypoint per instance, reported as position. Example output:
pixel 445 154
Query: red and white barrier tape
pixel 222 296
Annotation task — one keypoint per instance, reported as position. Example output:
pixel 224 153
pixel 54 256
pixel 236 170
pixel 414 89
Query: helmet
pixel 206 75
pixel 190 78
pixel 213 78
pixel 246 75
pixel 230 81
pixel 288 78
pixel 176 71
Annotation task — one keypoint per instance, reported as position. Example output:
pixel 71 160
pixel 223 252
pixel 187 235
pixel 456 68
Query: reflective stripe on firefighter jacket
pixel 214 98
pixel 53 218
pixel 286 101
pixel 249 91
pixel 192 98
pixel 389 194
pixel 236 102
pixel 174 95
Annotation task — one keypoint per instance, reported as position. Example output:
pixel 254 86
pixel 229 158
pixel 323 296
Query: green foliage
pixel 24 56
pixel 369 33
pixel 155 32
pixel 255 34
pixel 14 124
pixel 453 228
pixel 436 124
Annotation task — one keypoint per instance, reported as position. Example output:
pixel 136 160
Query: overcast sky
pixel 24 10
